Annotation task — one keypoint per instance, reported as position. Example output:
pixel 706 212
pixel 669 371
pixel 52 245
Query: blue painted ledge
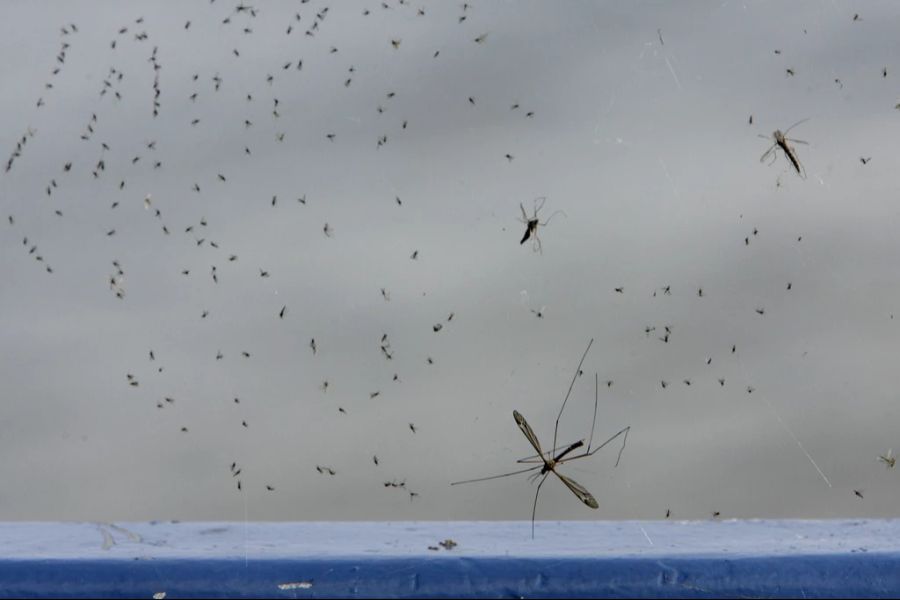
pixel 859 558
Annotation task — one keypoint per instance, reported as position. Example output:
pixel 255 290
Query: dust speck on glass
pixel 318 261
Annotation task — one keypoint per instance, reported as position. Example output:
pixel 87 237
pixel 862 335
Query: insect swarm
pixel 548 461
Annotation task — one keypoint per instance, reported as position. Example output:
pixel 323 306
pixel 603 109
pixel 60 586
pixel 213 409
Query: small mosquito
pixel 888 459
pixel 532 223
pixel 781 142
pixel 549 460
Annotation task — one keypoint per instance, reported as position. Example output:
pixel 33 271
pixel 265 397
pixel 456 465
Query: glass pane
pixel 299 261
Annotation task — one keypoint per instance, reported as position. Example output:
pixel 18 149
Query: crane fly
pixel 546 462
pixel 532 223
pixel 781 142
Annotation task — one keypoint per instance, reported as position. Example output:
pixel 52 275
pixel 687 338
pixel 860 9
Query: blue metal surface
pixel 571 559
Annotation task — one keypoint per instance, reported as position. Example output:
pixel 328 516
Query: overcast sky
pixel 632 119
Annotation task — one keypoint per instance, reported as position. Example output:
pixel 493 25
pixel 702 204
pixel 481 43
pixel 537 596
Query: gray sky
pixel 639 134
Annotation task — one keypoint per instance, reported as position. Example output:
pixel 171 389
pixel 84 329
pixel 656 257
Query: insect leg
pixel 559 212
pixel 569 392
pixel 534 508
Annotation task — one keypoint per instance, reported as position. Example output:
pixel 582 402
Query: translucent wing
pixel 526 429
pixel 577 489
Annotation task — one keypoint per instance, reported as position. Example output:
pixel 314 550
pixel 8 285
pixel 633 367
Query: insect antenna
pixel 795 124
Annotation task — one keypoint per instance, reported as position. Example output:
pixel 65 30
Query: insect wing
pixel 526 429
pixel 768 152
pixel 577 489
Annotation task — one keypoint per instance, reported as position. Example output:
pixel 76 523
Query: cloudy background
pixel 639 134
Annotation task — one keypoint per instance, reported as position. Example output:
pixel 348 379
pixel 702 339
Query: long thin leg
pixel 622 449
pixel 562 212
pixel 594 421
pixel 538 207
pixel 797 141
pixel 595 450
pixel 568 393
pixel 534 508
pixel 498 476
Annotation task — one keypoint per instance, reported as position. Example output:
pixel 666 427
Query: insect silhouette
pixel 548 461
pixel 781 142
pixel 532 223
